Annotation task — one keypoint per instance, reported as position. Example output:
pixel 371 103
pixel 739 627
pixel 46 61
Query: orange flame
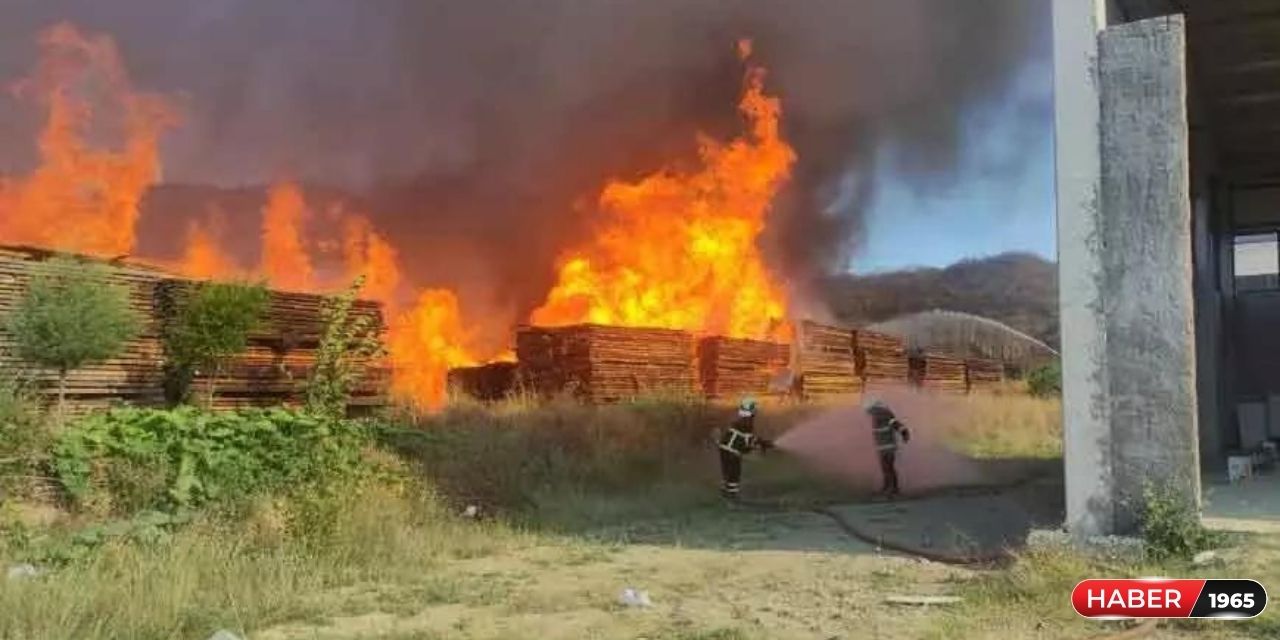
pixel 81 197
pixel 679 250
pixel 285 261
pixel 425 342
pixel 202 257
pixel 367 254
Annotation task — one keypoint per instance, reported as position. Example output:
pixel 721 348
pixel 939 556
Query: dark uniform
pixel 886 428
pixel 740 439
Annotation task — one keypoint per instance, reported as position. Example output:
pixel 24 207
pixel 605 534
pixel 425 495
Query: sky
pixel 974 212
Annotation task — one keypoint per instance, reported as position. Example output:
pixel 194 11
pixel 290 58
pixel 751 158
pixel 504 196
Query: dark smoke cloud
pixel 477 130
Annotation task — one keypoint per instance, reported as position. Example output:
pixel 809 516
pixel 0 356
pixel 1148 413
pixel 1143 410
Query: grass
pixel 581 501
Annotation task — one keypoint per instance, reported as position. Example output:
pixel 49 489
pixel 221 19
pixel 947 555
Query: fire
pixel 678 250
pixel 84 195
pixel 368 254
pixel 285 261
pixel 425 342
pixel 203 258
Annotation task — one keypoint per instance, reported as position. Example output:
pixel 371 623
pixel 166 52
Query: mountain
pixel 1018 289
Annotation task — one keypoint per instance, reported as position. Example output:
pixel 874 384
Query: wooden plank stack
pixel 825 361
pixel 488 382
pixel 600 363
pixel 731 367
pixel 881 359
pixel 273 370
pixel 942 374
pixel 983 375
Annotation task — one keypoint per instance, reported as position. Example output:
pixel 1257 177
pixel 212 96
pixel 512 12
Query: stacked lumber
pixel 942 374
pixel 134 376
pixel 488 382
pixel 600 363
pixel 273 370
pixel 982 374
pixel 825 361
pixel 281 353
pixel 730 367
pixel 881 359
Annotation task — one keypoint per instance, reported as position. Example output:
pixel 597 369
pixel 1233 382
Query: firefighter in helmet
pixel 886 429
pixel 738 440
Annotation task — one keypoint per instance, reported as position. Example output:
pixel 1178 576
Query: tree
pixel 72 315
pixel 211 324
pixel 348 340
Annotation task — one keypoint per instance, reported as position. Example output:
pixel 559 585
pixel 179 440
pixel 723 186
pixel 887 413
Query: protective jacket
pixel 740 438
pixel 887 428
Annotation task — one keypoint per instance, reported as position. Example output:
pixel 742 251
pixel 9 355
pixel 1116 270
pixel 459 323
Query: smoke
pixel 474 131
pixel 839 444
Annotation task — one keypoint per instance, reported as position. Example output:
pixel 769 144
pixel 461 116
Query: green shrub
pixel 211 325
pixel 347 342
pixel 71 315
pixel 1171 530
pixel 24 435
pixel 1046 381
pixel 133 459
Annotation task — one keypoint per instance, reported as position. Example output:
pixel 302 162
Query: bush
pixel 347 341
pixel 211 325
pixel 71 315
pixel 1170 530
pixel 24 436
pixel 1046 381
pixel 131 459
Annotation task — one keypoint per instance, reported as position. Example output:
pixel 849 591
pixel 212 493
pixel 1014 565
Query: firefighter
pixel 739 440
pixel 886 429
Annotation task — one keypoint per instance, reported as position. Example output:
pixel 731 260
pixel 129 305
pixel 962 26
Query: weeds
pixel 1171 530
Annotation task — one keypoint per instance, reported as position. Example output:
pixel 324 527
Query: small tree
pixel 71 315
pixel 211 325
pixel 347 340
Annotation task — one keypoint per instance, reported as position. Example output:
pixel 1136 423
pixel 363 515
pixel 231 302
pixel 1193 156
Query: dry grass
pixel 1007 425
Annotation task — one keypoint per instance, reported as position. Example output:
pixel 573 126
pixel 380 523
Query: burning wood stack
pixel 493 381
pixel 941 373
pixel 273 370
pixel 601 363
pixel 731 367
pixel 983 375
pixel 825 361
pixel 881 359
pixel 281 353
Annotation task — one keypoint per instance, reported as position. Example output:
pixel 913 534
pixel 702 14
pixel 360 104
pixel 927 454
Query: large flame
pixel 285 261
pixel 679 250
pixel 425 342
pixel 84 195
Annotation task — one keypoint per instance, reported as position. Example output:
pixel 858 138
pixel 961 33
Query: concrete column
pixel 1077 149
pixel 1148 295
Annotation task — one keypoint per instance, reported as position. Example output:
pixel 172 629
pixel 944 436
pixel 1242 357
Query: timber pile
pixel 735 367
pixel 135 376
pixel 600 363
pixel 486 382
pixel 825 361
pixel 942 373
pixel 273 370
pixel 882 359
pixel 983 375
pixel 282 351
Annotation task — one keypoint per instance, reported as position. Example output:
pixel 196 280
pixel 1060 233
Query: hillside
pixel 1020 290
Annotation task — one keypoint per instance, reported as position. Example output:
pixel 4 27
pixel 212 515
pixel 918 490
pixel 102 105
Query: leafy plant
pixel 193 457
pixel 71 315
pixel 212 324
pixel 348 341
pixel 24 436
pixel 1171 530
pixel 1046 381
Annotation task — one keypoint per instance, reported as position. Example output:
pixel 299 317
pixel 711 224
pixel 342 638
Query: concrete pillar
pixel 1148 295
pixel 1124 260
pixel 1077 149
